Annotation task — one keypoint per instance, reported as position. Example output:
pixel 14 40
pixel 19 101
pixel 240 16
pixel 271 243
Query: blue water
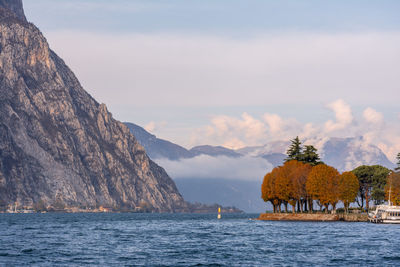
pixel 191 240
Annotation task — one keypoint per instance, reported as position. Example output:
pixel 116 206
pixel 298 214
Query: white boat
pixel 385 214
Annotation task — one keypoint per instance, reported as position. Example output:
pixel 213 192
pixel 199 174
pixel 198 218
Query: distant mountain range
pixel 342 153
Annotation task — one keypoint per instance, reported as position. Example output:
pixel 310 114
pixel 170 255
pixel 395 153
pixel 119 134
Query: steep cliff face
pixel 14 6
pixel 57 144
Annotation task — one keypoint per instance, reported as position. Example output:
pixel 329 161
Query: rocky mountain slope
pixel 57 144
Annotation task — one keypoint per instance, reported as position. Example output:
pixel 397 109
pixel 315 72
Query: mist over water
pixel 191 240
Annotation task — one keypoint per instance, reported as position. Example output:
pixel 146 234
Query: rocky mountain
pixel 349 153
pixel 342 153
pixel 158 148
pixel 57 144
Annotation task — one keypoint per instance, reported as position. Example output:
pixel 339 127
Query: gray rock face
pixel 56 142
pixel 15 6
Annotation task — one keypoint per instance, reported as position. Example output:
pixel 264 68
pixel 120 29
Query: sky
pixel 236 73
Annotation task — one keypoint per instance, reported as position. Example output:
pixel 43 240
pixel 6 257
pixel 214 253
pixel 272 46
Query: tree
pixel 372 180
pixel 348 188
pixel 322 185
pixel 392 188
pixel 298 173
pixel 295 150
pixel 282 185
pixel 310 156
pixel 398 163
pixel 268 189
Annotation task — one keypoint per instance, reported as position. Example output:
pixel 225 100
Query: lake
pixel 129 239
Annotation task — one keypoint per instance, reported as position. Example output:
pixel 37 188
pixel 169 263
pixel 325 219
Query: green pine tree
pixel 310 156
pixel 398 163
pixel 295 151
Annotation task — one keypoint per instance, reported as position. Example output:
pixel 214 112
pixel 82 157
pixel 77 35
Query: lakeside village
pixel 59 206
pixel 304 181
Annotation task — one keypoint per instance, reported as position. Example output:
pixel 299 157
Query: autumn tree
pixel 372 180
pixel 323 185
pixel 268 190
pixel 348 188
pixel 398 162
pixel 392 188
pixel 295 150
pixel 283 185
pixel 298 173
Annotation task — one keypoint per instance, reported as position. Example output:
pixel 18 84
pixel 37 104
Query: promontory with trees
pixel 304 180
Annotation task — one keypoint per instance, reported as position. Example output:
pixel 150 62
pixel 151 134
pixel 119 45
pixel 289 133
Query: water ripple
pixel 190 240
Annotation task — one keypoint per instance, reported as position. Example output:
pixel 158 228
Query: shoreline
pixel 313 217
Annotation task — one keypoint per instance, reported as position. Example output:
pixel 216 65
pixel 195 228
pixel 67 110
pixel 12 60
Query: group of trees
pixel 303 179
pixel 299 183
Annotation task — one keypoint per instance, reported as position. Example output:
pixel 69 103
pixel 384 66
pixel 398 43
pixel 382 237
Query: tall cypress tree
pixel 398 163
pixel 295 151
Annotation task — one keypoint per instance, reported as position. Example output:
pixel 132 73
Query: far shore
pixel 313 217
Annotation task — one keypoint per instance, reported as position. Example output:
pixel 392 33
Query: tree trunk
pixel 366 200
pixel 294 208
pixel 310 205
pixel 301 205
pixel 285 206
pixel 334 208
pixel 305 205
pixel 326 208
pixel 361 205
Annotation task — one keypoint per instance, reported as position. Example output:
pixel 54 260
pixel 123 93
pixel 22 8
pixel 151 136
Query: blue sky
pixel 230 17
pixel 191 70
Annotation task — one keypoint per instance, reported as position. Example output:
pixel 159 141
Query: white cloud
pixel 372 116
pixel 203 166
pixel 232 132
pixel 343 114
pixel 249 131
pixel 154 126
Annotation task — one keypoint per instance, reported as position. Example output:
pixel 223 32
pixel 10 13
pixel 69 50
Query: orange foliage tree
pixel 268 189
pixel 348 188
pixel 323 185
pixel 393 185
pixel 294 174
pixel 286 184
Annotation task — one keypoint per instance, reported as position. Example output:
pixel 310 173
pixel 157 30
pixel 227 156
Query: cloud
pixel 373 116
pixel 154 126
pixel 204 166
pixel 233 132
pixel 247 130
pixel 343 114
